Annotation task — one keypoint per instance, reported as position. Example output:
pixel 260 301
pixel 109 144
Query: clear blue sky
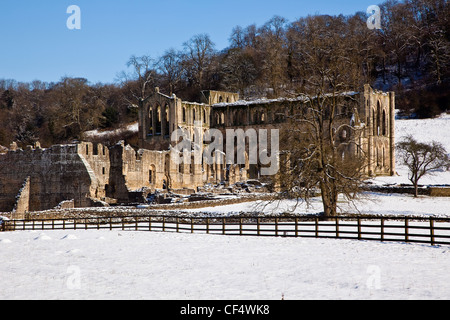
pixel 35 42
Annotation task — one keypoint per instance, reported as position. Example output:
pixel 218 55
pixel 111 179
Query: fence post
pixel 406 229
pixel 149 223
pixel 337 227
pixel 178 223
pixel 296 227
pixel 240 226
pixel 359 228
pixel 192 225
pixel 276 227
pixel 258 227
pixel 223 226
pixel 317 227
pixel 382 229
pixel 207 225
pixel 432 231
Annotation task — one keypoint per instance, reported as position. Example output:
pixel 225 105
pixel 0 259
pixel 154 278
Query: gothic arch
pixel 151 117
pixel 379 120
pixel 166 120
pixel 158 120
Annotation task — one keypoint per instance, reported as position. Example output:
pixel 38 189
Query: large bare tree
pixel 198 52
pixel 321 153
pixel 140 81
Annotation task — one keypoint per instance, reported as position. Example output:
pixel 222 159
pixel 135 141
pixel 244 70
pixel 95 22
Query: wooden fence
pixel 434 231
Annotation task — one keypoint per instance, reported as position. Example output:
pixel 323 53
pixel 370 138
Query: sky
pixel 36 43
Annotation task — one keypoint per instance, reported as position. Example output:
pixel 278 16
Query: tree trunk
pixel 416 190
pixel 329 201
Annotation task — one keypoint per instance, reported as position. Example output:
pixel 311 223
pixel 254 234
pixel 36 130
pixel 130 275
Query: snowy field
pixel 165 266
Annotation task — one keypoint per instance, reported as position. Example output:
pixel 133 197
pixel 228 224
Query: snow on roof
pixel 302 98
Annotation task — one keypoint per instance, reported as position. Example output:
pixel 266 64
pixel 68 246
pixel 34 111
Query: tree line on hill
pixel 409 55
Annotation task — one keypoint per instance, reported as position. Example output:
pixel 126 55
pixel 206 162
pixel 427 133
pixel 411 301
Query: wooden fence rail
pixel 434 231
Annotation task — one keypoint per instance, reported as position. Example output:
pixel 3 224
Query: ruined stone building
pixel 371 110
pixel 86 174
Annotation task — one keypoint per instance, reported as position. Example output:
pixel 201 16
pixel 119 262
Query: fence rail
pixel 434 231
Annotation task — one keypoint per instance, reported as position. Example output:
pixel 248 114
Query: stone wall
pixel 134 170
pixel 56 174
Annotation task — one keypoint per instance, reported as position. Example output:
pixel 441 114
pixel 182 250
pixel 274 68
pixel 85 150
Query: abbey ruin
pixel 85 174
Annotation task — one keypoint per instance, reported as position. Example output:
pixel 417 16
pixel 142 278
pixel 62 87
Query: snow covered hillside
pixel 425 130
pixel 98 134
pixel 162 266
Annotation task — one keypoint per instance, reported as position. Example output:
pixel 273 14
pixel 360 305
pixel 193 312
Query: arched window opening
pixel 167 121
pixel 152 175
pixel 374 122
pixel 158 120
pixel 378 119
pixel 150 121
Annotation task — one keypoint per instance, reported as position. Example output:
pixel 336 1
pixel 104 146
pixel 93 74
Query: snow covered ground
pixel 163 266
pixel 425 130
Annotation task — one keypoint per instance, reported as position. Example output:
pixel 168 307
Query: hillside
pixel 423 130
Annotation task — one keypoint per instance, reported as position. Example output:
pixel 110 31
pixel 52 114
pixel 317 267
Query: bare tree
pixel 170 66
pixel 198 53
pixel 273 53
pixel 422 159
pixel 141 81
pixel 238 70
pixel 320 139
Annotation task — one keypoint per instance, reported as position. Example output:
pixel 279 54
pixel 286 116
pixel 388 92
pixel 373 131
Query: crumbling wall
pixel 135 170
pixel 55 175
pixel 97 162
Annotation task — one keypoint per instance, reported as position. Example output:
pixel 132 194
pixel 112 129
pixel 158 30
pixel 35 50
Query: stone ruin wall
pixel 55 174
